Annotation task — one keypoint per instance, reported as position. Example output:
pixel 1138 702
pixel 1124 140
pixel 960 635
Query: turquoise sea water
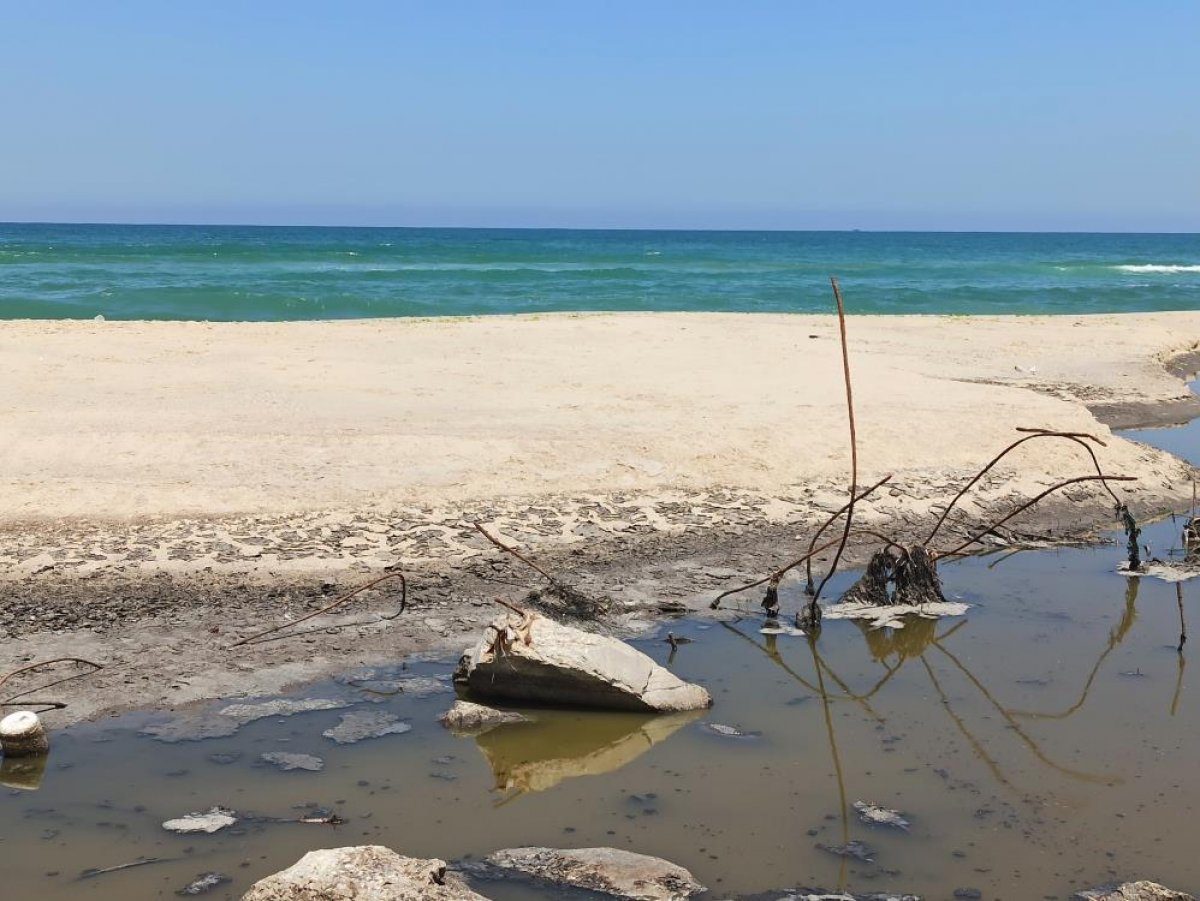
pixel 277 273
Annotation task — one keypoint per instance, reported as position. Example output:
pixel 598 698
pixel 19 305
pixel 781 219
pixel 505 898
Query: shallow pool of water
pixel 1041 743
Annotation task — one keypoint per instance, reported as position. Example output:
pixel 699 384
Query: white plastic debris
pixel 23 735
pixel 874 815
pixel 892 616
pixel 213 820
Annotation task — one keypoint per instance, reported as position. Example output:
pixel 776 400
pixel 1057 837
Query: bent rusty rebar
pixel 1029 503
pixel 394 574
pixel 40 664
pixel 837 557
pixel 1077 437
pixel 831 520
pixel 772 577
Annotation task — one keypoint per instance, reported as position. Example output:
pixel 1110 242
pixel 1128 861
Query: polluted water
pixel 1040 743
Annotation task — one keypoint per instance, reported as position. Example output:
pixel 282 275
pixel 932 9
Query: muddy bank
pixel 165 636
pixel 1155 414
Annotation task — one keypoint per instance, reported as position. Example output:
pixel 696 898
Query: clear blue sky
pixel 800 114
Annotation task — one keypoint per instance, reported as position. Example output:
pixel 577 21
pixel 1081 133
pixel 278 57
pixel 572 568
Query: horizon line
pixel 619 228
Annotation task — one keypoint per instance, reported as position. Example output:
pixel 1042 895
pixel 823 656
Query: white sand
pixel 114 420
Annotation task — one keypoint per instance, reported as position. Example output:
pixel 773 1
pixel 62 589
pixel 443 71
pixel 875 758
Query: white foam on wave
pixel 1158 267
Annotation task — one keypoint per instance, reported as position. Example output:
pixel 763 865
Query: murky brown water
pixel 1045 742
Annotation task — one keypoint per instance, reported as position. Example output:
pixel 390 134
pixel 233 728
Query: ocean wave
pixel 1158 267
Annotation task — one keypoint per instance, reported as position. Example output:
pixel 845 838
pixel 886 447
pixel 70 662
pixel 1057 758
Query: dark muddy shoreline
pixel 166 638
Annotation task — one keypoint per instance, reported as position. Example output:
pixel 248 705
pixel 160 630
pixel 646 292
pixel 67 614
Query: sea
pixel 234 273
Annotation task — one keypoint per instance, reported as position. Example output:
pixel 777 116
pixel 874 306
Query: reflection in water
pixel 559 745
pixel 819 666
pixel 976 745
pixel 1033 746
pixel 1115 637
pixel 1179 649
pixel 23 773
pixel 892 648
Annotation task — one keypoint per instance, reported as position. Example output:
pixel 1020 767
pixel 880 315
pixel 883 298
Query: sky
pixel 825 114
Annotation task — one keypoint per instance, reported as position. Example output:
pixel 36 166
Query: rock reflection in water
pixel 560 745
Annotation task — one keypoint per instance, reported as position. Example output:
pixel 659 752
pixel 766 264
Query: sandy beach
pixel 163 481
pixel 107 420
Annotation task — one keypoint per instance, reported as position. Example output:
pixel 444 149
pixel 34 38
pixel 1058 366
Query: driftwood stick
pixel 1080 438
pixel 140 862
pixel 394 574
pixel 1029 503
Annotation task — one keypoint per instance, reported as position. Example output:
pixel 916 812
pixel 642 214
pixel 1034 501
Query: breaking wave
pixel 1157 267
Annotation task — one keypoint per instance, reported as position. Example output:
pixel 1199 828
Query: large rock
pixel 364 873
pixel 1134 891
pixel 622 874
pixel 546 662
